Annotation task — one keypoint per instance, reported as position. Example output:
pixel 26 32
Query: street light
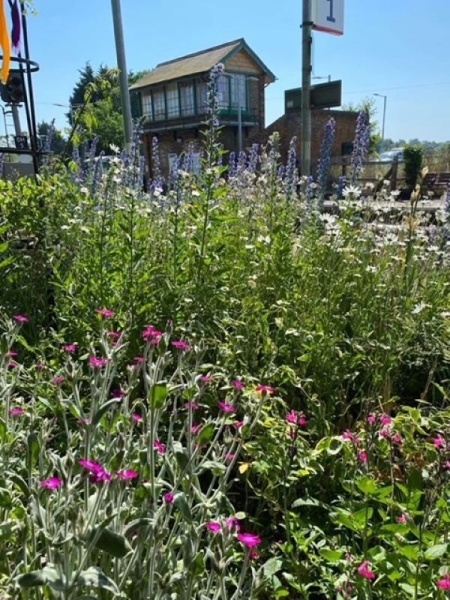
pixel 328 77
pixel 384 114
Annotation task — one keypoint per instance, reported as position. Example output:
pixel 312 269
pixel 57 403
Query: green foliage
pixel 413 157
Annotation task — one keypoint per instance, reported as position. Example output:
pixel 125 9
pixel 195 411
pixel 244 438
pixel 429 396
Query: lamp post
pixel 384 113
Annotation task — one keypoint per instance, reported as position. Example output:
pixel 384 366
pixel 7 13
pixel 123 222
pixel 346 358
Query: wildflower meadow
pixel 217 389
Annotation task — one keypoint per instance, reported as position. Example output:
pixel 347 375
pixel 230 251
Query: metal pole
pixel 239 99
pixel 123 75
pixel 16 119
pixel 306 87
pixel 384 117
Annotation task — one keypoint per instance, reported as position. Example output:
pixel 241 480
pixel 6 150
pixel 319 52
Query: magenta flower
pixel 151 335
pixel 447 465
pixel 136 417
pixel 238 424
pixel 444 583
pixel 169 497
pixel 57 380
pixel 127 474
pixel 192 405
pixel 365 571
pixel 227 408
pixel 96 470
pixel 233 523
pixel 362 456
pixel 196 428
pixel 181 345
pixel 249 539
pixel 115 335
pixel 298 418
pixel 206 378
pixel 12 353
pixel 265 389
pixel 371 419
pixel 385 419
pixel 439 441
pixel 21 318
pixel 385 433
pixel 13 364
pixel 237 384
pixel 40 366
pixel 402 518
pixel 16 412
pixel 213 526
pixel 230 456
pixel 159 447
pixel 397 438
pixel 106 313
pixel 52 483
pixel 348 436
pixel 139 360
pixel 98 363
pixel 70 348
pixel 117 393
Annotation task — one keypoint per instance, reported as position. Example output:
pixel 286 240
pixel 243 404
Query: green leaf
pixel 137 524
pixel 206 434
pixel 103 410
pixel 112 543
pixel 94 577
pixel 158 395
pixel 331 556
pixel 180 502
pixel 367 485
pixel 216 467
pixel 42 577
pixel 436 551
pixel 33 449
pixel 272 566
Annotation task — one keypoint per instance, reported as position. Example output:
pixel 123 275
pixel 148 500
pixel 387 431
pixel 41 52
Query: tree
pixel 96 107
pixel 57 141
pixel 368 105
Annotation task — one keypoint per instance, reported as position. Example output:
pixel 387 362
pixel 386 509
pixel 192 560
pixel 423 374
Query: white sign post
pixel 328 16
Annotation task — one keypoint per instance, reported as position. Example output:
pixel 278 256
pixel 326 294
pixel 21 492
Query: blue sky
pixel 392 47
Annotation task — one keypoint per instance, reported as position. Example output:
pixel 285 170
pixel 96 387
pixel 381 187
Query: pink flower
pixel 196 428
pixel 230 456
pixel 159 447
pixel 385 433
pixel 98 363
pixel 191 405
pixel 237 384
pixel 40 366
pixel 13 364
pixel 365 571
pixel 227 408
pixel 12 353
pixel 447 465
pixel 136 417
pixel 206 378
pixel 151 335
pixel 397 438
pixel 21 318
pixel 232 523
pixel 117 393
pixel 348 436
pixel 139 360
pixel 238 424
pixel 96 470
pixel 362 456
pixel 298 418
pixel 371 419
pixel 52 483
pixel 265 389
pixel 105 312
pixel 385 419
pixel 444 583
pixel 213 526
pixel 70 348
pixel 169 497
pixel 402 518
pixel 439 441
pixel 57 380
pixel 249 539
pixel 115 335
pixel 16 412
pixel 127 474
pixel 181 345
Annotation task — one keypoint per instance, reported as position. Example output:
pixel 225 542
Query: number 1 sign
pixel 328 16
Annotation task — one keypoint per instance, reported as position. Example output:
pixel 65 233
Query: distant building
pixel 173 100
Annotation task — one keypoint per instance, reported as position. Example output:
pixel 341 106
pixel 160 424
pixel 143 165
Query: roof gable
pixel 198 63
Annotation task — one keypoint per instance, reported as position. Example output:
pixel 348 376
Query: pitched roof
pixel 199 62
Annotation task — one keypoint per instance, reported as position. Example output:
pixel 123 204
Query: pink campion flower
pixel 365 570
pixel 136 417
pixel 181 345
pixel 97 363
pixel 152 335
pixel 115 335
pixel 13 364
pixel 169 497
pixel 297 418
pixel 397 438
pixel 57 380
pixel 206 378
pixel 227 408
pixel 265 389
pixel 52 483
pixel 444 583
pixel 159 447
pixel 385 419
pixel 447 465
pixel 385 433
pixel 12 354
pixel 362 456
pixel 21 318
pixel 402 518
pixel 97 472
pixel 213 526
pixel 250 540
pixel 70 348
pixel 372 418
pixel 238 424
pixel 349 436
pixel 230 456
pixel 196 428
pixel 192 405
pixel 127 474
pixel 139 360
pixel 117 393
pixel 16 411
pixel 439 442
pixel 84 421
pixel 40 366
pixel 253 555
pixel 106 313
pixel 232 523
pixel 237 384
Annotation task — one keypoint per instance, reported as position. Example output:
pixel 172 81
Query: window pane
pixel 187 99
pixel 223 92
pixel 238 91
pixel 173 106
pixel 159 106
pixel 202 90
pixel 147 106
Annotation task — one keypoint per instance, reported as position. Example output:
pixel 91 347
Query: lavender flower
pixel 291 172
pixel 325 155
pixel 158 180
pixel 253 159
pixel 360 145
pixel 232 165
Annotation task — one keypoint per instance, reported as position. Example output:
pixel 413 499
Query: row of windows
pixel 178 99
